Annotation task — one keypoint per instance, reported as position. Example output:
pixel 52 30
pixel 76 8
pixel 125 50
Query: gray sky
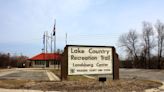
pixel 87 22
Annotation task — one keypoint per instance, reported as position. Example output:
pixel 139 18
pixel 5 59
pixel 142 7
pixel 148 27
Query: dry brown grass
pixel 12 83
pixel 70 78
pixel 82 86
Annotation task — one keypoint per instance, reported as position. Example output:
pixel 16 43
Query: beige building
pixel 46 60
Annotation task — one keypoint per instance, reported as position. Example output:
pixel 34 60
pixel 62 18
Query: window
pixel 52 62
pixel 39 62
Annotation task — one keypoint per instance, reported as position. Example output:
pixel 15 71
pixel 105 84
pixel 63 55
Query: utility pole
pixel 51 42
pixel 44 41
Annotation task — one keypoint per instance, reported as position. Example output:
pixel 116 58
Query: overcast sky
pixel 86 22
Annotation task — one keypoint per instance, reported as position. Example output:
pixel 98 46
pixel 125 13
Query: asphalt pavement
pixel 149 74
pixel 28 74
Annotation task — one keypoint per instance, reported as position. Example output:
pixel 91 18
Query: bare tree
pixel 148 44
pixel 123 43
pixel 129 41
pixel 133 41
pixel 160 38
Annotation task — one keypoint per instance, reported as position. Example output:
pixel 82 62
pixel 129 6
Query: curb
pixel 52 77
pixel 90 77
pixel 159 89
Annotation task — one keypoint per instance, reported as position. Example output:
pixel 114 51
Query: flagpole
pixel 54 34
pixel 54 50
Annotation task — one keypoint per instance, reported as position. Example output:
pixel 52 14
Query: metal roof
pixel 46 56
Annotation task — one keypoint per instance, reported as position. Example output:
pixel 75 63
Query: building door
pixel 47 63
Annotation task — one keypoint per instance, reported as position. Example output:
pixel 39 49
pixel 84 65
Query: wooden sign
pixel 88 60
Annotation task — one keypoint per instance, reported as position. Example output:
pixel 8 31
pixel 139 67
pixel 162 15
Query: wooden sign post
pixel 88 60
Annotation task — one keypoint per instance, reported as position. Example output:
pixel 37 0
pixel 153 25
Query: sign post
pixel 89 60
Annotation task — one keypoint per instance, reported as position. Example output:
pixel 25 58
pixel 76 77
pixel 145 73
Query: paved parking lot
pixel 27 74
pixel 42 74
pixel 149 74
